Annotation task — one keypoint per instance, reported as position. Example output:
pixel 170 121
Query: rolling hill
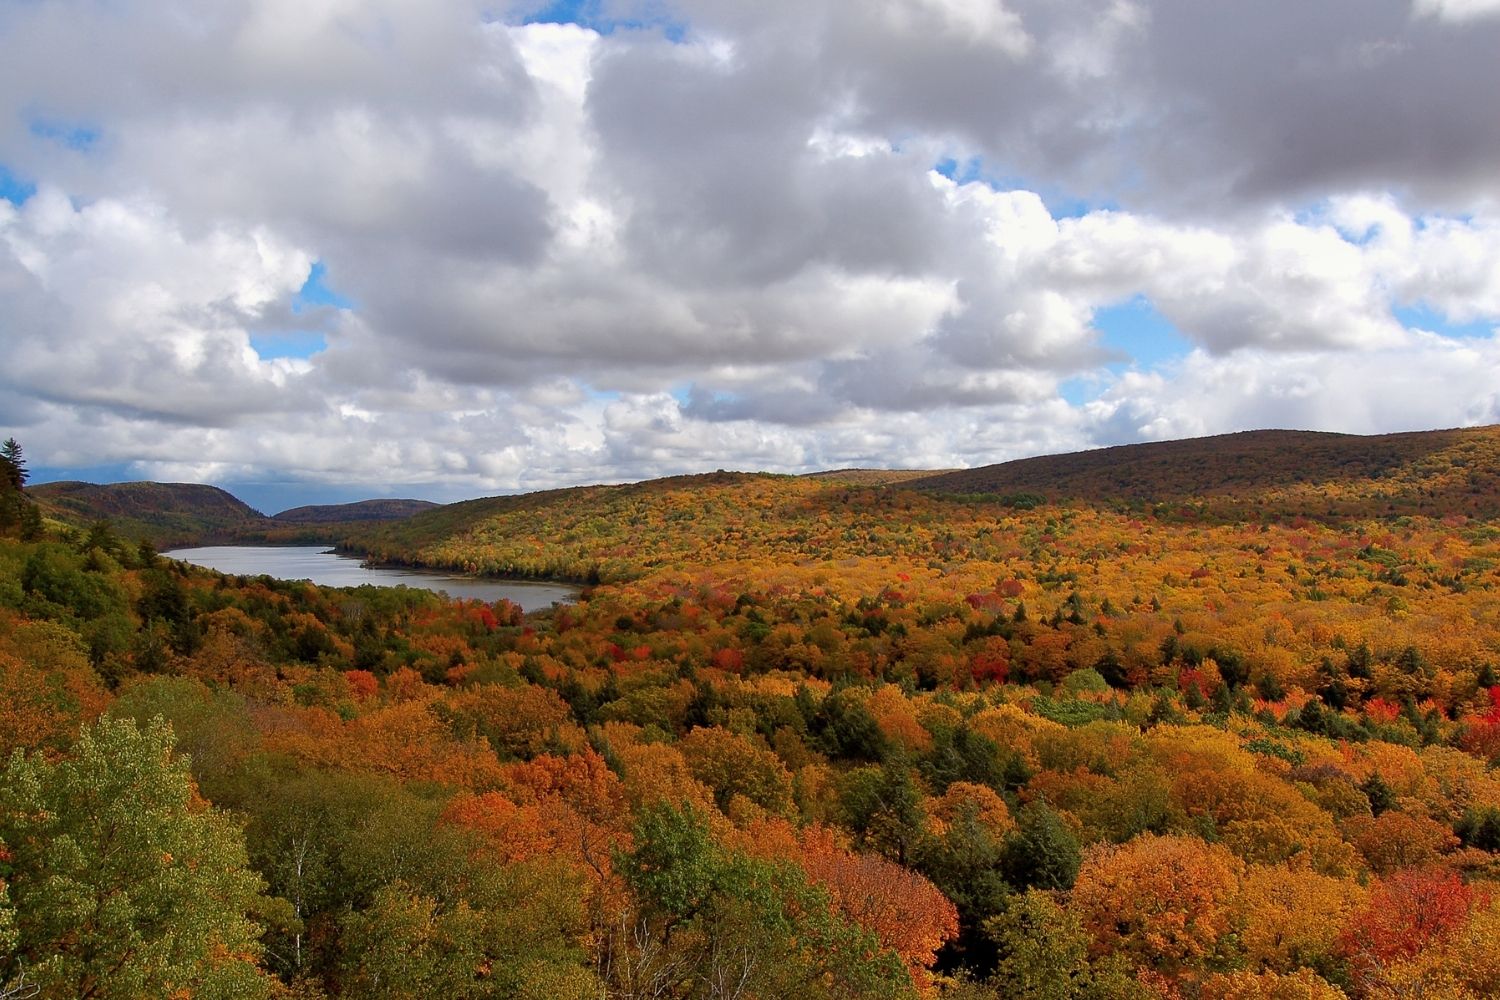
pixel 176 514
pixel 872 477
pixel 622 532
pixel 582 532
pixel 1297 472
pixel 1287 715
pixel 564 534
pixel 165 513
pixel 349 513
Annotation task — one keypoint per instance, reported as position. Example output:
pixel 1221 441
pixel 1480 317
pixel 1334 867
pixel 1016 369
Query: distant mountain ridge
pixel 874 477
pixel 165 513
pixel 598 533
pixel 1431 472
pixel 177 514
pixel 1253 473
pixel 362 510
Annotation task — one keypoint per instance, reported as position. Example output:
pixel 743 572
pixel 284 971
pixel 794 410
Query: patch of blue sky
pixel 1080 389
pixel 1069 207
pixel 1141 338
pixel 1319 214
pixel 1461 218
pixel 118 472
pixel 592 14
pixel 1061 204
pixel 1314 216
pixel 277 495
pixel 1135 329
pixel 13 188
pixel 1311 215
pixel 73 135
pixel 1421 316
pixel 959 173
pixel 300 344
pixel 315 291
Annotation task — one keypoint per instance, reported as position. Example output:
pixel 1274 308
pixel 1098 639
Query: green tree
pixel 1042 852
pixel 966 863
pixel 709 922
pixel 406 944
pixel 32 526
pixel 125 883
pixel 960 754
pixel 386 900
pixel 883 808
pixel 328 842
pixel 101 538
pixel 12 979
pixel 13 475
pixel 211 726
pixel 57 584
pixel 1044 955
pixel 1043 950
pixel 13 464
pixel 507 936
pixel 846 730
pixel 1480 827
pixel 1381 795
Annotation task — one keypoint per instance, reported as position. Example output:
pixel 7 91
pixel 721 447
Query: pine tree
pixel 13 504
pixel 32 528
pixel 13 464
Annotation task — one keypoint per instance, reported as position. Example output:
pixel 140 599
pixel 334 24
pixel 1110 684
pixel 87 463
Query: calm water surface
pixel 318 564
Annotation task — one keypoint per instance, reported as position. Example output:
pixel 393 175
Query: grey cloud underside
pixel 1338 95
pixel 1181 105
pixel 723 186
pixel 356 185
pixel 551 237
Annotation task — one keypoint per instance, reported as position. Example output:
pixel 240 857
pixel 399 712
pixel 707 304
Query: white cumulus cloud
pixel 711 234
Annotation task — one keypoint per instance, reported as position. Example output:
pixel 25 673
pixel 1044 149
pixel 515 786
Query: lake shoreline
pixel 326 566
pixel 398 563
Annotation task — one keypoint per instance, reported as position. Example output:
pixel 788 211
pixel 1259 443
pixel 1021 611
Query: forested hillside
pixel 169 515
pixel 804 737
pixel 362 510
pixel 166 513
pixel 1266 472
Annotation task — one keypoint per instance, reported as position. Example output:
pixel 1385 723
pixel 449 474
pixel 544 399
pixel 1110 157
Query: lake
pixel 328 569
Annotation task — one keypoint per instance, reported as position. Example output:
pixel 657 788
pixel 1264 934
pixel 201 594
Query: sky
pixel 321 250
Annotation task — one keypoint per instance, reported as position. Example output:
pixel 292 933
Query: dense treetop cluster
pixel 799 738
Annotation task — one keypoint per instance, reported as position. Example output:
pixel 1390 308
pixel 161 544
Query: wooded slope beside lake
pixel 826 736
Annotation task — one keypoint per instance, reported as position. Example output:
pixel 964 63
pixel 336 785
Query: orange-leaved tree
pixel 1164 902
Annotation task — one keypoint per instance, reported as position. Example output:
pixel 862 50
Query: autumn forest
pixel 1212 720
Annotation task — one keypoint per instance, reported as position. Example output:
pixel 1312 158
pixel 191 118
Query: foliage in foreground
pixel 916 746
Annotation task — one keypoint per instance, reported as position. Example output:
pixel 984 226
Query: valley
pixel 1229 731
